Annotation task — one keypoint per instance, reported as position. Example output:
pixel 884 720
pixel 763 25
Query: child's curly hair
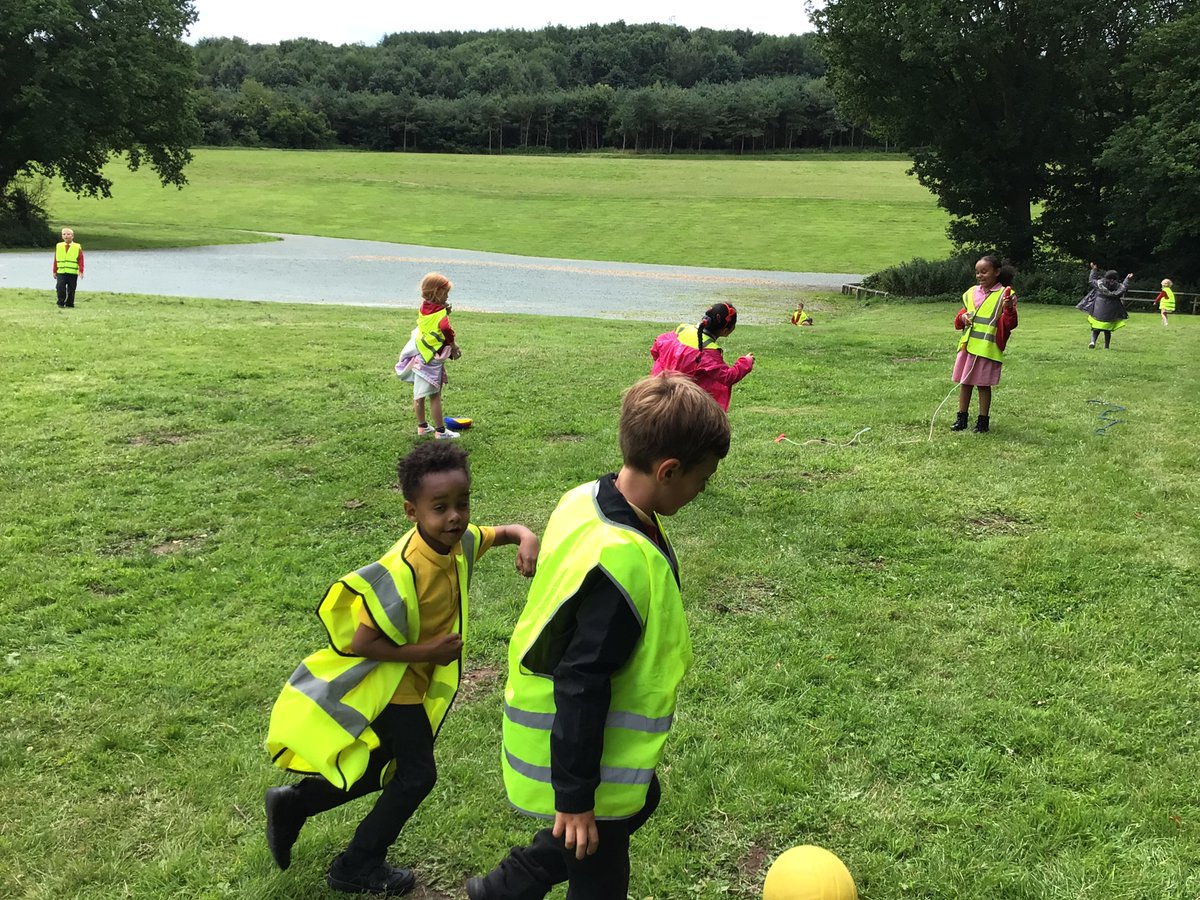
pixel 438 456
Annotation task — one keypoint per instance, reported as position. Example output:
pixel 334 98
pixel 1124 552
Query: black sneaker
pixel 61 304
pixel 960 422
pixel 476 889
pixel 284 822
pixel 383 879
pixel 981 425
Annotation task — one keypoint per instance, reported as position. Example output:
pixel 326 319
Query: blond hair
pixel 1166 282
pixel 435 287
pixel 668 416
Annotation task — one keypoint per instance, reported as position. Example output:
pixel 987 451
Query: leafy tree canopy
pixel 1003 103
pixel 81 80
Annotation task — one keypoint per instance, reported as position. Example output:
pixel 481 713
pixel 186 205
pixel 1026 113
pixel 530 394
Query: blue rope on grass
pixel 1106 415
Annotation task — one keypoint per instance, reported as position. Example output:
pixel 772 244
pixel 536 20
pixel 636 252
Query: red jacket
pixel 709 370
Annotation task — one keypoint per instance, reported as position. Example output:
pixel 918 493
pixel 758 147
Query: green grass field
pixel 814 213
pixel 967 665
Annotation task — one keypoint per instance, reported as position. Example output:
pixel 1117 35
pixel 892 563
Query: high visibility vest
pixel 1167 304
pixel 429 336
pixel 67 258
pixel 578 538
pixel 980 336
pixel 690 336
pixel 321 722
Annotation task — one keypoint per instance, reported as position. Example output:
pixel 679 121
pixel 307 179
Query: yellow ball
pixel 809 873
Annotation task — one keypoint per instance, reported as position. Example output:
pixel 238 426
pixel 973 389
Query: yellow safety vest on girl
pixel 980 336
pixel 430 339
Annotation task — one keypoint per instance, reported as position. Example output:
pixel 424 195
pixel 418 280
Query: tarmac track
pixel 307 269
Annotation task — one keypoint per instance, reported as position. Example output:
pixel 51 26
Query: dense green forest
pixel 633 87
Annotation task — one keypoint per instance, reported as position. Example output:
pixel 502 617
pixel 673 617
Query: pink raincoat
pixel 708 370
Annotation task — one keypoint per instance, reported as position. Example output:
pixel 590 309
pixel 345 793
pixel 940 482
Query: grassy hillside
pixel 815 213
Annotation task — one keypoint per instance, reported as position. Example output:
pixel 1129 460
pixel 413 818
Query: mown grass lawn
pixel 807 213
pixel 968 665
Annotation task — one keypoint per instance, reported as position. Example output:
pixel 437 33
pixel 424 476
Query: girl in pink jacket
pixel 693 351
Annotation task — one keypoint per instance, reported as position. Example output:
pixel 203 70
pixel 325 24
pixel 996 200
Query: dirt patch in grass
pixel 997 522
pixel 180 545
pixel 752 863
pixel 159 439
pixel 876 563
pixel 478 681
pixel 123 546
pixel 421 892
pixel 567 438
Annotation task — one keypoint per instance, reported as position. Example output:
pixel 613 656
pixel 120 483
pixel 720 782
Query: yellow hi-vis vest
pixel 980 337
pixel 429 336
pixel 689 336
pixel 67 257
pixel 321 722
pixel 1167 304
pixel 579 538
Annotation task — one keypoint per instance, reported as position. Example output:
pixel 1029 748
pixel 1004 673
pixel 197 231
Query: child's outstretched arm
pixel 527 546
pixel 371 644
pixel 729 375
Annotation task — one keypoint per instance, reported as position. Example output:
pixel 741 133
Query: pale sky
pixel 366 21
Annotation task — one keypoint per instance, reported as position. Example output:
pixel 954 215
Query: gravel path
pixel 306 269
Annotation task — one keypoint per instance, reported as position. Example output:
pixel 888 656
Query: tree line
pixel 659 88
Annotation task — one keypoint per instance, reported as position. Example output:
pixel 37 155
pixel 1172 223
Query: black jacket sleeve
pixel 606 632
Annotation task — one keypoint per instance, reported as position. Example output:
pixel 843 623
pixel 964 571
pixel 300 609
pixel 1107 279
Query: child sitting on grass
pixel 800 317
pixel 366 708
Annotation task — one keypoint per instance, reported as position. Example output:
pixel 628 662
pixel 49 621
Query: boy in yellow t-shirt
pixel 396 629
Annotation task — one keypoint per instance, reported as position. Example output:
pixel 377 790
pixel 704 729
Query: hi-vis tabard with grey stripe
pixel 321 722
pixel 579 538
pixel 980 335
pixel 430 339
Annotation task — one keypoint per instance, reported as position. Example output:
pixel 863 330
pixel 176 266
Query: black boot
pixel 381 878
pixel 284 821
pixel 981 425
pixel 960 422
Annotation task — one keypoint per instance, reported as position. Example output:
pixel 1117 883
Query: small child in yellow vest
pixel 361 715
pixel 599 651
pixel 1165 301
pixel 988 316
pixel 800 317
pixel 68 268
pixel 422 361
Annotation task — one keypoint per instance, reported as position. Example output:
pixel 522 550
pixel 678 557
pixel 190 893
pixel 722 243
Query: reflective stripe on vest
pixel 67 258
pixel 578 540
pixel 321 720
pixel 980 337
pixel 429 335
